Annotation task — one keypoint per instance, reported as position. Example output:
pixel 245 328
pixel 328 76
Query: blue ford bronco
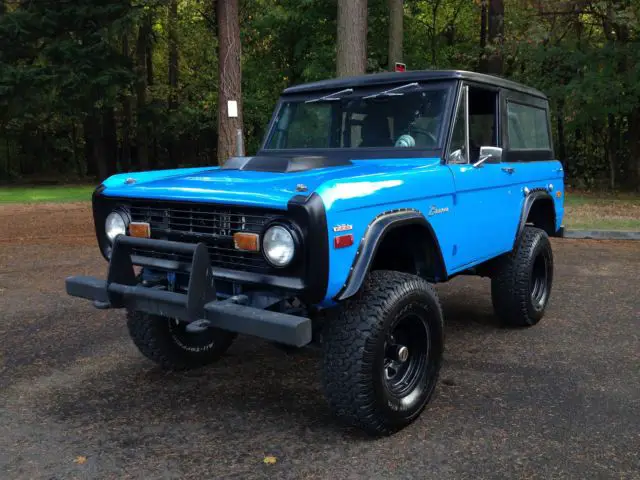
pixel 365 192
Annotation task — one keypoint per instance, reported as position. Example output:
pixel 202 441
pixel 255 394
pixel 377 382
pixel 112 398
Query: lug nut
pixel 402 353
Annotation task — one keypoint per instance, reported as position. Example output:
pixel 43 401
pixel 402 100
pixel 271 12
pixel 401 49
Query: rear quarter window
pixel 528 127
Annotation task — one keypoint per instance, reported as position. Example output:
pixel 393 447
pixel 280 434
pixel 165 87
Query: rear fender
pixel 536 197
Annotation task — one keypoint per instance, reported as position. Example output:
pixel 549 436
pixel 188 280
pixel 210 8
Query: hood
pixel 244 187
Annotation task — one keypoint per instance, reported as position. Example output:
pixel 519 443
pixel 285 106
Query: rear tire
pixel 521 288
pixel 166 342
pixel 369 381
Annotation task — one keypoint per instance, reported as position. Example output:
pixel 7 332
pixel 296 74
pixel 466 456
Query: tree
pixel 396 34
pixel 483 64
pixel 352 37
pixel 496 36
pixel 127 119
pixel 229 77
pixel 142 78
pixel 173 70
pixel 82 80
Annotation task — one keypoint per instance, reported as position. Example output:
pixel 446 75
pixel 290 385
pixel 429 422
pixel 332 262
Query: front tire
pixel 521 288
pixel 383 352
pixel 166 341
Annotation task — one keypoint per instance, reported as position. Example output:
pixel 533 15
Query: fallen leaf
pixel 80 460
pixel 270 460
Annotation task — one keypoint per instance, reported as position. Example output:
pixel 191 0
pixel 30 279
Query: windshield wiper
pixel 391 92
pixel 331 96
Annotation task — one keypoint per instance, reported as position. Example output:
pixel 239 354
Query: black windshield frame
pixel 450 88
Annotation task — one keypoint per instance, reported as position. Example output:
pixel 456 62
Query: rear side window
pixel 528 127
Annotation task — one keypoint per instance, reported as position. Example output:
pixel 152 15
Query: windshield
pixel 406 116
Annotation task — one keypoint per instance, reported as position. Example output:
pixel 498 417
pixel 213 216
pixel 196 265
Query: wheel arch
pixel 538 210
pixel 410 226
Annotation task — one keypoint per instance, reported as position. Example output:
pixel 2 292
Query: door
pixel 487 193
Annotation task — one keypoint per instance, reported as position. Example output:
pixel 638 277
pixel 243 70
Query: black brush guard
pixel 121 289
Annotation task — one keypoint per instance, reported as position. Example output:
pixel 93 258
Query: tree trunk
pixel 89 129
pixel 95 144
pixel 612 150
pixel 110 139
pixel 483 64
pixel 148 46
pixel 229 77
pixel 80 166
pixel 496 36
pixel 633 165
pixel 352 37
pixel 396 34
pixel 173 54
pixel 562 149
pixel 142 128
pixel 173 75
pixel 125 158
pixel 99 156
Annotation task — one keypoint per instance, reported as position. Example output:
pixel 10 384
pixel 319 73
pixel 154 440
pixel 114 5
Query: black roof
pixel 388 78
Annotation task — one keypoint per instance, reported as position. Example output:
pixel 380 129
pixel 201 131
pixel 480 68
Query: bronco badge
pixel 437 211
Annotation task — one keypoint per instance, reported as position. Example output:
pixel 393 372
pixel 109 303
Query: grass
pixel 69 193
pixel 583 210
pixel 602 211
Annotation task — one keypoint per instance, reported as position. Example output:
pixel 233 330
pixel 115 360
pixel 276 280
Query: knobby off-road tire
pixel 166 342
pixel 364 385
pixel 521 288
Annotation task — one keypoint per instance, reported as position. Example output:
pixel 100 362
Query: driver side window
pixel 482 124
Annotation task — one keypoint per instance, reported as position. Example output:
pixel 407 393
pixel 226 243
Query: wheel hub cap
pixel 406 353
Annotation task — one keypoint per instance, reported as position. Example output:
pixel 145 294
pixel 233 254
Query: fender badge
pixel 437 211
pixel 343 228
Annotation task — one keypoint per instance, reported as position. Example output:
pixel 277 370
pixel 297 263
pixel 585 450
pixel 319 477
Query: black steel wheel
pixel 521 287
pixel 383 352
pixel 169 343
pixel 540 281
pixel 406 354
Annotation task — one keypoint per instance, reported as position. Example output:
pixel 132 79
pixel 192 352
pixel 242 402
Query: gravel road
pixel 560 400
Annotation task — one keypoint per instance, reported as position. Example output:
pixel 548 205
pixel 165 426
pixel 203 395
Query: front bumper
pixel 122 289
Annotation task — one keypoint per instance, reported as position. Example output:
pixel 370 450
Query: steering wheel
pixel 427 133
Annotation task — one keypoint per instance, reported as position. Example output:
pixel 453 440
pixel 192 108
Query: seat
pixel 375 131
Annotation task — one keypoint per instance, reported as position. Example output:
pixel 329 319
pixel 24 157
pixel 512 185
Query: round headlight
pixel 278 246
pixel 115 225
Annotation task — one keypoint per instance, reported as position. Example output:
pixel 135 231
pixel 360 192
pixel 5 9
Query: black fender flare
pixel 529 200
pixel 371 240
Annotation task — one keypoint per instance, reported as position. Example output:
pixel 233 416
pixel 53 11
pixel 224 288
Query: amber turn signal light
pixel 139 229
pixel 249 242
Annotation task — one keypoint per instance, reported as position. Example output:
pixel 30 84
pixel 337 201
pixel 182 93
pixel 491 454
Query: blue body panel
pixel 474 212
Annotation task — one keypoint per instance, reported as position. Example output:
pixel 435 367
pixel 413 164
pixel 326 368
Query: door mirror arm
pixel 488 154
pixel 481 160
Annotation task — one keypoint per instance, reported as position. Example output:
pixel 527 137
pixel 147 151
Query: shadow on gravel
pixel 263 385
pixel 253 390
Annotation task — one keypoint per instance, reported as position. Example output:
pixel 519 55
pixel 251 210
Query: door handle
pixel 508 170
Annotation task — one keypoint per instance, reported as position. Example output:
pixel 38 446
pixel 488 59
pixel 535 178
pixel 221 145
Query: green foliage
pixel 62 62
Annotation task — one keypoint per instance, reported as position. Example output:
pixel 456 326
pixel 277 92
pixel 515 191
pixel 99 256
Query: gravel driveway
pixel 560 400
